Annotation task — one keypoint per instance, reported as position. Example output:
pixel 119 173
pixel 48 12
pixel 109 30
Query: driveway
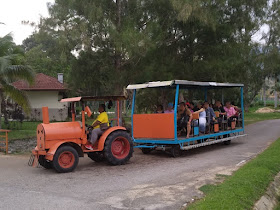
pixel 154 181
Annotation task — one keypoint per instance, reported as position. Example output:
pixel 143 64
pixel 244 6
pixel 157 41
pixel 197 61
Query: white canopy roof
pixel 183 83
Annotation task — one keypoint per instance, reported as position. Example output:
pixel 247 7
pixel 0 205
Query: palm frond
pixel 5 61
pixel 15 72
pixel 17 95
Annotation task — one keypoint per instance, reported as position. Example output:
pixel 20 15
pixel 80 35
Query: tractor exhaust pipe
pixel 45 111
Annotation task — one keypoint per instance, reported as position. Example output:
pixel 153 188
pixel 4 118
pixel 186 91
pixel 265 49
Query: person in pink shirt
pixel 229 110
pixel 230 114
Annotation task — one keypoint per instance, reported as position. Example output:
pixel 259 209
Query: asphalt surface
pixel 154 181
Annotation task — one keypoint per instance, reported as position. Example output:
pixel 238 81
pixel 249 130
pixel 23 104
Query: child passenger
pixel 159 109
pixel 169 108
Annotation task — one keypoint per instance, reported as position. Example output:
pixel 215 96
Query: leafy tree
pixel 119 42
pixel 272 48
pixel 11 69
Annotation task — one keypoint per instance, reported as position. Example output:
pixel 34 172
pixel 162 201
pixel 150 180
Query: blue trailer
pixel 159 131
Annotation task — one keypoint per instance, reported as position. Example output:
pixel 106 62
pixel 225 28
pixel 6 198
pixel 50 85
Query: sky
pixel 13 12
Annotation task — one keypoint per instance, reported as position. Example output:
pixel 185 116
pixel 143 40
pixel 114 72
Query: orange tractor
pixel 60 144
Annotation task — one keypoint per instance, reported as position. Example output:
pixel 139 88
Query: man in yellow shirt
pixel 99 126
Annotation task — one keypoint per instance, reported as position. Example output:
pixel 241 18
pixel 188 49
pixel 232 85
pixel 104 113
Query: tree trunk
pixel 275 93
pixel 275 99
pixel 118 57
pixel 246 101
pixel 264 95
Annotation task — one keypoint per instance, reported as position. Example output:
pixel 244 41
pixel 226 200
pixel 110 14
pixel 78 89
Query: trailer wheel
pixel 227 142
pixel 65 159
pixel 118 148
pixel 43 162
pixel 176 151
pixel 146 150
pixel 96 156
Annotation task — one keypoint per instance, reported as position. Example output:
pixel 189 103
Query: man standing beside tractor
pixel 99 126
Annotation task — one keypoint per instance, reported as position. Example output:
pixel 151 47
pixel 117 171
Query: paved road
pixel 154 181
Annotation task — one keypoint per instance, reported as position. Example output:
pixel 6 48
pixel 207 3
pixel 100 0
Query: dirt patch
pixel 265 110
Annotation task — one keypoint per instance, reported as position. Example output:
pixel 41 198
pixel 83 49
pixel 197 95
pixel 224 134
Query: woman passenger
pixel 202 117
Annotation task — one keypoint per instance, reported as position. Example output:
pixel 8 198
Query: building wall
pixel 38 99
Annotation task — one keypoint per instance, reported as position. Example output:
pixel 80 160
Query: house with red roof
pixel 46 91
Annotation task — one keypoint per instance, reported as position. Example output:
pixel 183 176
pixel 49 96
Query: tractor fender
pixel 52 150
pixel 106 134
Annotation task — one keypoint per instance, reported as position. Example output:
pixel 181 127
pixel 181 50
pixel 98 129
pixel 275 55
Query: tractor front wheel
pixel 118 148
pixel 65 159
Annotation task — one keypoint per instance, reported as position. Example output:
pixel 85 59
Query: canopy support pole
pixel 175 112
pixel 242 107
pixel 132 111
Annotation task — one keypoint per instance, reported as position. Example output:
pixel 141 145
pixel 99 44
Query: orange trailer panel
pixel 153 126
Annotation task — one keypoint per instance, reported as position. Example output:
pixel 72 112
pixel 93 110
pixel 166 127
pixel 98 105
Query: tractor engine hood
pixel 58 131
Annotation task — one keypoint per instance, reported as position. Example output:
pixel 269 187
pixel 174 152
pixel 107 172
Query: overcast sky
pixel 12 12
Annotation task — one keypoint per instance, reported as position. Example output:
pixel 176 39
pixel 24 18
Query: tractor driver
pixel 99 126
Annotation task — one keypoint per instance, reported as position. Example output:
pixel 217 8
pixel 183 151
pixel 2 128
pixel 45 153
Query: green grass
pixel 256 117
pixel 22 131
pixel 277 207
pixel 245 186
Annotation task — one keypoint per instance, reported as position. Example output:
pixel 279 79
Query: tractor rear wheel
pixel 96 156
pixel 43 162
pixel 118 148
pixel 65 159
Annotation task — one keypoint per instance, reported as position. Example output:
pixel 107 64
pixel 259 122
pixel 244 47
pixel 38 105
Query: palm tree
pixel 10 71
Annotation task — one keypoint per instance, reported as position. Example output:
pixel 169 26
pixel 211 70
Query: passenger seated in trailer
pixel 184 118
pixel 191 106
pixel 238 115
pixel 222 113
pixel 237 110
pixel 230 112
pixel 99 126
pixel 202 117
pixel 210 114
pixel 169 108
pixel 198 107
pixel 159 109
pixel 219 107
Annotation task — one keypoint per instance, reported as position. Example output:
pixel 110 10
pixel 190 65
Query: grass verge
pixel 24 130
pixel 245 186
pixel 256 117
